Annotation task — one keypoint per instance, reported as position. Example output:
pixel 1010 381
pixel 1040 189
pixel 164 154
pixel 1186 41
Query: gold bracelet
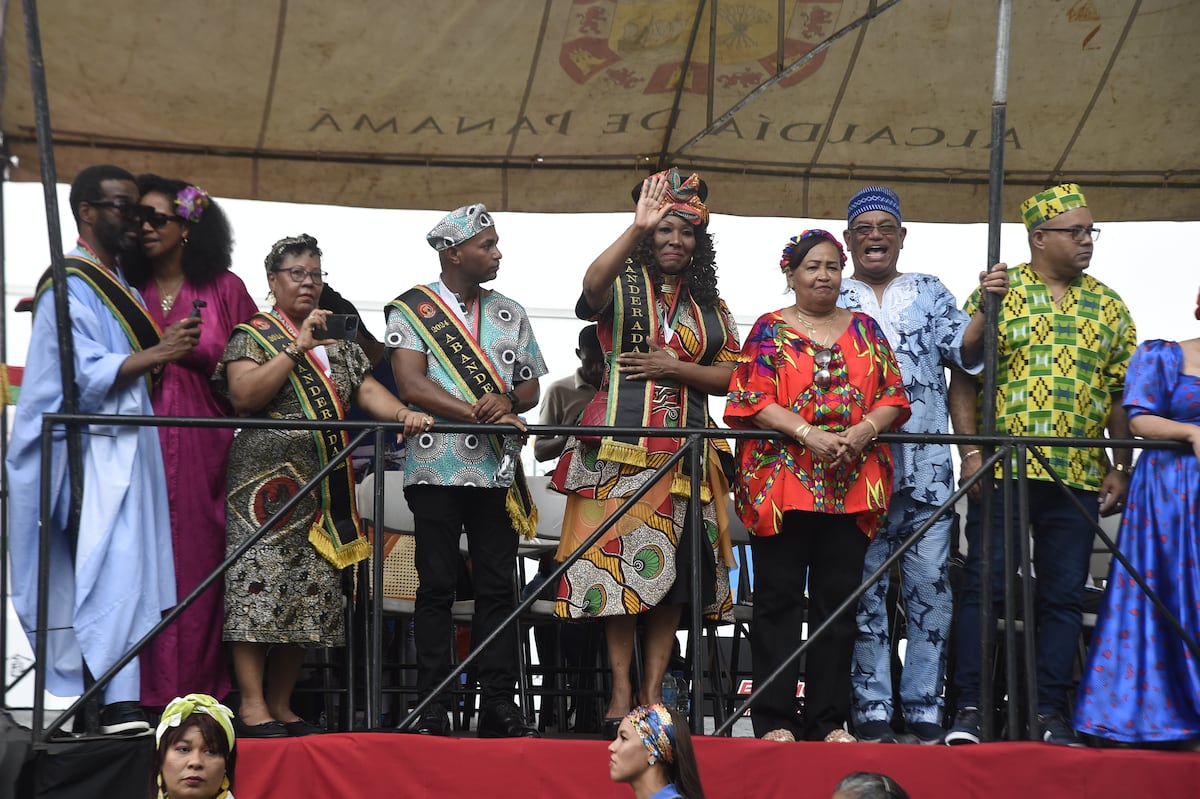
pixel 972 452
pixel 867 419
pixel 801 432
pixel 396 418
pixel 293 352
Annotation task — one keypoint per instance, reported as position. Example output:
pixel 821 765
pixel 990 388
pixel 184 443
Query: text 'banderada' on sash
pixel 636 322
pixel 337 532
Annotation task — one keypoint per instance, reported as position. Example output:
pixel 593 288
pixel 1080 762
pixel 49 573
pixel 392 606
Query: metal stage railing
pixel 998 450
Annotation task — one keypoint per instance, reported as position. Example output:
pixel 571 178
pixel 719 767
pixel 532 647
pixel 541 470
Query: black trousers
pixel 442 513
pixel 827 551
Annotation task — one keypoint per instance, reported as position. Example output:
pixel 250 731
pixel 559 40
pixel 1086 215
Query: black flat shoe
pixel 610 726
pixel 299 728
pixel 268 729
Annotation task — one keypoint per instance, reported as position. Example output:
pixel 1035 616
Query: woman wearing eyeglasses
pixel 826 378
pixel 285 593
pixel 186 246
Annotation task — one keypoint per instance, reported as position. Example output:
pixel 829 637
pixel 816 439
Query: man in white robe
pixel 113 589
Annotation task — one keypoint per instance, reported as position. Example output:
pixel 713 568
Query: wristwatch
pixel 511 396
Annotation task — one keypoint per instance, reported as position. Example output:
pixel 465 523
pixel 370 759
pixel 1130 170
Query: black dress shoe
pixel 434 720
pixel 504 720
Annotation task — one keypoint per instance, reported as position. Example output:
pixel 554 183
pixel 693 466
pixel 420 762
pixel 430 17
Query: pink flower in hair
pixel 190 203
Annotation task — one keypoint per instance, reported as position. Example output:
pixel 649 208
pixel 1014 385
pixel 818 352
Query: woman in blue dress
pixel 1141 684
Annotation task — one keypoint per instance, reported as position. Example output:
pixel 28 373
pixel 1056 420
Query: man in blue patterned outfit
pixel 928 332
pixel 449 478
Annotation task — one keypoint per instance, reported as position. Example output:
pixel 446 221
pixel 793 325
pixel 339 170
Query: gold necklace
pixel 812 328
pixel 167 298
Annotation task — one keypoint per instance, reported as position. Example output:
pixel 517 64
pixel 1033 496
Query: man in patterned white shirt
pixel 463 353
pixel 928 332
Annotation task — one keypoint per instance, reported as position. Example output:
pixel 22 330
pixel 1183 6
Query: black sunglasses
pixel 148 216
pixel 125 209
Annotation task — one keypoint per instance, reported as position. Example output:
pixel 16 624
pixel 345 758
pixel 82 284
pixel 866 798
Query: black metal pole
pixel 1027 603
pixel 695 521
pixel 3 416
pixel 375 661
pixel 43 588
pixel 990 352
pixel 66 343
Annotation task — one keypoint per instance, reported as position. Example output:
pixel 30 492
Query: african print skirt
pixel 641 562
pixel 281 591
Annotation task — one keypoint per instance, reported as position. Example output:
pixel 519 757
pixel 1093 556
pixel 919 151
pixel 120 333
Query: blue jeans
pixel 928 605
pixel 1062 541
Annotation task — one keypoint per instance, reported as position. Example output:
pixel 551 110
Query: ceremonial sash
pixel 141 330
pixel 633 403
pixel 473 373
pixel 337 532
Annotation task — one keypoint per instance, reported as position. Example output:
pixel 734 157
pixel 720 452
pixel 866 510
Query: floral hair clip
pixel 190 203
pixel 790 247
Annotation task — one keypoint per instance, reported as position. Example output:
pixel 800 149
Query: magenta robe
pixel 187 657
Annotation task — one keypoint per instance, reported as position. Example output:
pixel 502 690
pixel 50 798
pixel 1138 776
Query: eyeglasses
pixel 297 275
pixel 1078 232
pixel 821 375
pixel 887 230
pixel 148 216
pixel 125 209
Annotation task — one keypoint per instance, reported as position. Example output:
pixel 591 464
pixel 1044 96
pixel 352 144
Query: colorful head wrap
pixel 874 198
pixel 190 203
pixel 458 226
pixel 655 728
pixel 685 197
pixel 1047 204
pixel 181 707
pixel 790 247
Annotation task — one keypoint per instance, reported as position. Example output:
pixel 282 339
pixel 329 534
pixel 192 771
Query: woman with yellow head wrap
pixel 196 753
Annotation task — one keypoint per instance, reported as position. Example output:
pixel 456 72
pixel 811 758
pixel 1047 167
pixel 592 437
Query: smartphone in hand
pixel 342 326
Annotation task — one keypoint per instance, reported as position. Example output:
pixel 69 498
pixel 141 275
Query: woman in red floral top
pixel 827 378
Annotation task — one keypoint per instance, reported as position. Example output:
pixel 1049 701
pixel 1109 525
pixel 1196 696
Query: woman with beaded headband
pixel 186 246
pixel 652 752
pixel 1142 684
pixel 826 378
pixel 669 343
pixel 284 594
pixel 196 752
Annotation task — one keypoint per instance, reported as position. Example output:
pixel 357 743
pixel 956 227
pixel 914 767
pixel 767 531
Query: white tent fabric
pixel 559 105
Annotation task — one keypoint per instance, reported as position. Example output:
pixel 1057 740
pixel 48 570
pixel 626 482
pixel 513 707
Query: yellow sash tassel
pixel 524 524
pixel 356 550
pixel 621 452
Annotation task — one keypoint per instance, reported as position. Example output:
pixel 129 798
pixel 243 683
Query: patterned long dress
pixel 281 591
pixel 633 568
pixel 1141 683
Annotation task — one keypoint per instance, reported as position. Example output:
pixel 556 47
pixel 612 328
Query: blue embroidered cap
pixel 874 198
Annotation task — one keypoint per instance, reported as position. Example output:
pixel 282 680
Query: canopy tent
pixel 556 106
